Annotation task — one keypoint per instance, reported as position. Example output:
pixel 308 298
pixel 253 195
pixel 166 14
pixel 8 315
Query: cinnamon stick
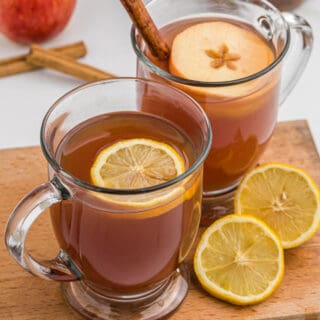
pixel 144 23
pixel 19 64
pixel 58 61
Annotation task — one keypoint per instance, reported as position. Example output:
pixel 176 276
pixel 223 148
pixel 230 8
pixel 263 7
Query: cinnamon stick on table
pixel 144 23
pixel 19 64
pixel 58 61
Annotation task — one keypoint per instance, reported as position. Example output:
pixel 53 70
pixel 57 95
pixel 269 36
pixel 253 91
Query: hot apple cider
pixel 242 115
pixel 109 248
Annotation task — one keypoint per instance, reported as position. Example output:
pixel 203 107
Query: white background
pixel 104 26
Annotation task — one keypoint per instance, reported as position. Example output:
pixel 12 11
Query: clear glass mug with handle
pixel 122 251
pixel 243 111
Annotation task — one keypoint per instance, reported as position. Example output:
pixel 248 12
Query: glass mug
pixel 121 252
pixel 243 112
pixel 285 5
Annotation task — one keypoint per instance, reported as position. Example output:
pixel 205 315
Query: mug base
pixel 161 302
pixel 216 206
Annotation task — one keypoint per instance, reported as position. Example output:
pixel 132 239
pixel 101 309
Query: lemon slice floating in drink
pixel 239 259
pixel 139 163
pixel 284 197
pixel 136 163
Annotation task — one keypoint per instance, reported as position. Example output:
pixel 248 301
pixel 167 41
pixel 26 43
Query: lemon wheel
pixel 139 163
pixel 239 259
pixel 284 197
pixel 136 163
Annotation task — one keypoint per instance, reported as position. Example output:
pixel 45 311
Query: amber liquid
pixel 119 248
pixel 242 125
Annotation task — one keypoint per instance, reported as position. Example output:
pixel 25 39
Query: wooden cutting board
pixel 25 297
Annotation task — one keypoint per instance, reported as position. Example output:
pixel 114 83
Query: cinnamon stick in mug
pixel 58 61
pixel 144 23
pixel 19 64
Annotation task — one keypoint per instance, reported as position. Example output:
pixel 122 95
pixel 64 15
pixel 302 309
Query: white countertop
pixel 104 26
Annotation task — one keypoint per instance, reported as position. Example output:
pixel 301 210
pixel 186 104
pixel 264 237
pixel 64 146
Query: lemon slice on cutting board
pixel 239 259
pixel 284 197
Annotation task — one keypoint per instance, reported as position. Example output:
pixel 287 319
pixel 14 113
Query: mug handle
pixel 300 50
pixel 21 219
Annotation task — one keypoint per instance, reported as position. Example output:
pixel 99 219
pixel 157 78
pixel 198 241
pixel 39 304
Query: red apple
pixel 28 21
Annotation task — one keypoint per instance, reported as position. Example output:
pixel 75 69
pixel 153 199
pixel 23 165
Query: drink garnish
pixel 222 57
pixel 136 163
pixel 219 51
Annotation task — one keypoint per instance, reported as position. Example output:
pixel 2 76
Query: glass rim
pixel 61 171
pixel 197 83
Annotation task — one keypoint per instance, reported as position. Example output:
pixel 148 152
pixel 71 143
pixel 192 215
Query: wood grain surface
pixel 25 297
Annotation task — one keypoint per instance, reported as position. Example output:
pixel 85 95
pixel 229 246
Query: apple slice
pixel 219 51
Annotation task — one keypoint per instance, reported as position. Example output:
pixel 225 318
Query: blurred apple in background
pixel 29 21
